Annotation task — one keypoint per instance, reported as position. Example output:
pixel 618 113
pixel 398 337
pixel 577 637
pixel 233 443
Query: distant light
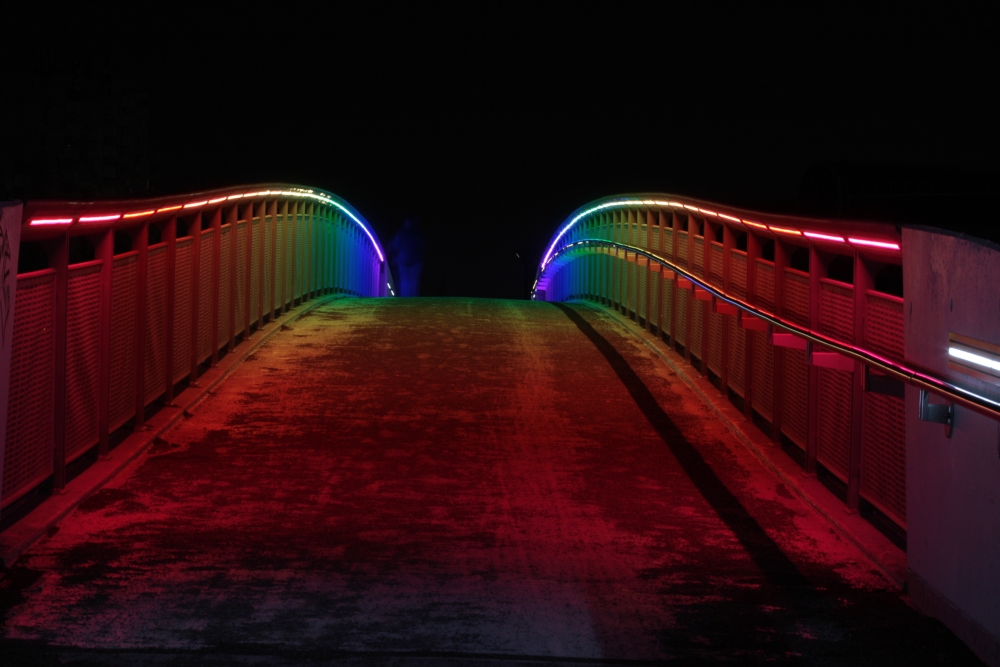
pixel 824 237
pixel 876 244
pixel 216 201
pixel 100 218
pixel 754 224
pixel 140 214
pixel 235 196
pixel 784 230
pixel 51 221
pixel 196 204
pixel 729 217
pixel 168 208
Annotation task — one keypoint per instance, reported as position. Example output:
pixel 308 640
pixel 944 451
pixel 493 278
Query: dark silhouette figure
pixel 406 251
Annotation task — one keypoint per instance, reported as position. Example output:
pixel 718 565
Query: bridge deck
pixel 451 481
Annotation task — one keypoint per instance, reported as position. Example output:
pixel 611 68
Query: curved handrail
pixel 916 378
pixel 44 219
pixel 871 236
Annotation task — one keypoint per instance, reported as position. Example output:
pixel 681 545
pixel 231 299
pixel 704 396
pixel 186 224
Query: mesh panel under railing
pixel 83 358
pixel 123 323
pixel 699 256
pixel 795 393
pixel 834 441
pixel 738 273
pixel 28 450
pixel 715 324
pixel 641 308
pixel 682 315
pixel 883 448
pixel 255 259
pixel 155 370
pixel 241 277
pixel 667 298
pixel 763 375
pixel 764 284
pixel 836 315
pixel 737 358
pixel 225 283
pixel 697 327
pixel 717 256
pixel 182 308
pixel 205 284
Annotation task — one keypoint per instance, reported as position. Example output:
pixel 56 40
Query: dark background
pixel 492 126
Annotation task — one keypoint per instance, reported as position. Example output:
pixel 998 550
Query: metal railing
pixel 136 296
pixel 791 317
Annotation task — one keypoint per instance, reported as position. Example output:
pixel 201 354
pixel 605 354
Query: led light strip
pixel 619 203
pixel 982 404
pixel 100 218
pixel 979 360
pixel 310 194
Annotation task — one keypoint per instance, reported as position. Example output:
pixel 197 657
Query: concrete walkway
pixel 453 481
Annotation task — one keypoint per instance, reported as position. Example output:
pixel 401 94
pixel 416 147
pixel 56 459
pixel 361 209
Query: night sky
pixel 491 127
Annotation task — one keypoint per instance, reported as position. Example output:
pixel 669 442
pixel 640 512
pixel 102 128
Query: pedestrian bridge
pixel 603 477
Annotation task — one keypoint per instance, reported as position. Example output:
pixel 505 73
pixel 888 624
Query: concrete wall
pixel 952 284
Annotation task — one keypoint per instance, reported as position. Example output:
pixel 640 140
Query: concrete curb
pixel 19 537
pixel 885 556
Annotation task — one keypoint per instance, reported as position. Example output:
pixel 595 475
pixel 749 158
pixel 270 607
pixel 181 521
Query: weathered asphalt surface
pixel 453 481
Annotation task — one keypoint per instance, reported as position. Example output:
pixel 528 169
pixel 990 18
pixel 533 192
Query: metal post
pixel 60 262
pixel 675 224
pixel 707 234
pixel 296 278
pixel 216 281
pixel 273 287
pixel 648 273
pixel 689 321
pixel 659 278
pixel 170 236
pixel 247 260
pixel 105 253
pixel 141 243
pixel 863 281
pixel 233 219
pixel 728 243
pixel 753 252
pixel 781 261
pixel 196 278
pixel 283 304
pixel 817 267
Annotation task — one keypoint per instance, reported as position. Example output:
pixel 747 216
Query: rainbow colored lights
pixel 626 202
pixel 295 192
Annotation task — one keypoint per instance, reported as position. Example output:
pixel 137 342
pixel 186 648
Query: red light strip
pixel 168 208
pixel 216 201
pixel 729 217
pixel 196 204
pixel 784 230
pixel 755 224
pixel 100 218
pixel 824 237
pixel 140 214
pixel 51 221
pixel 875 244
